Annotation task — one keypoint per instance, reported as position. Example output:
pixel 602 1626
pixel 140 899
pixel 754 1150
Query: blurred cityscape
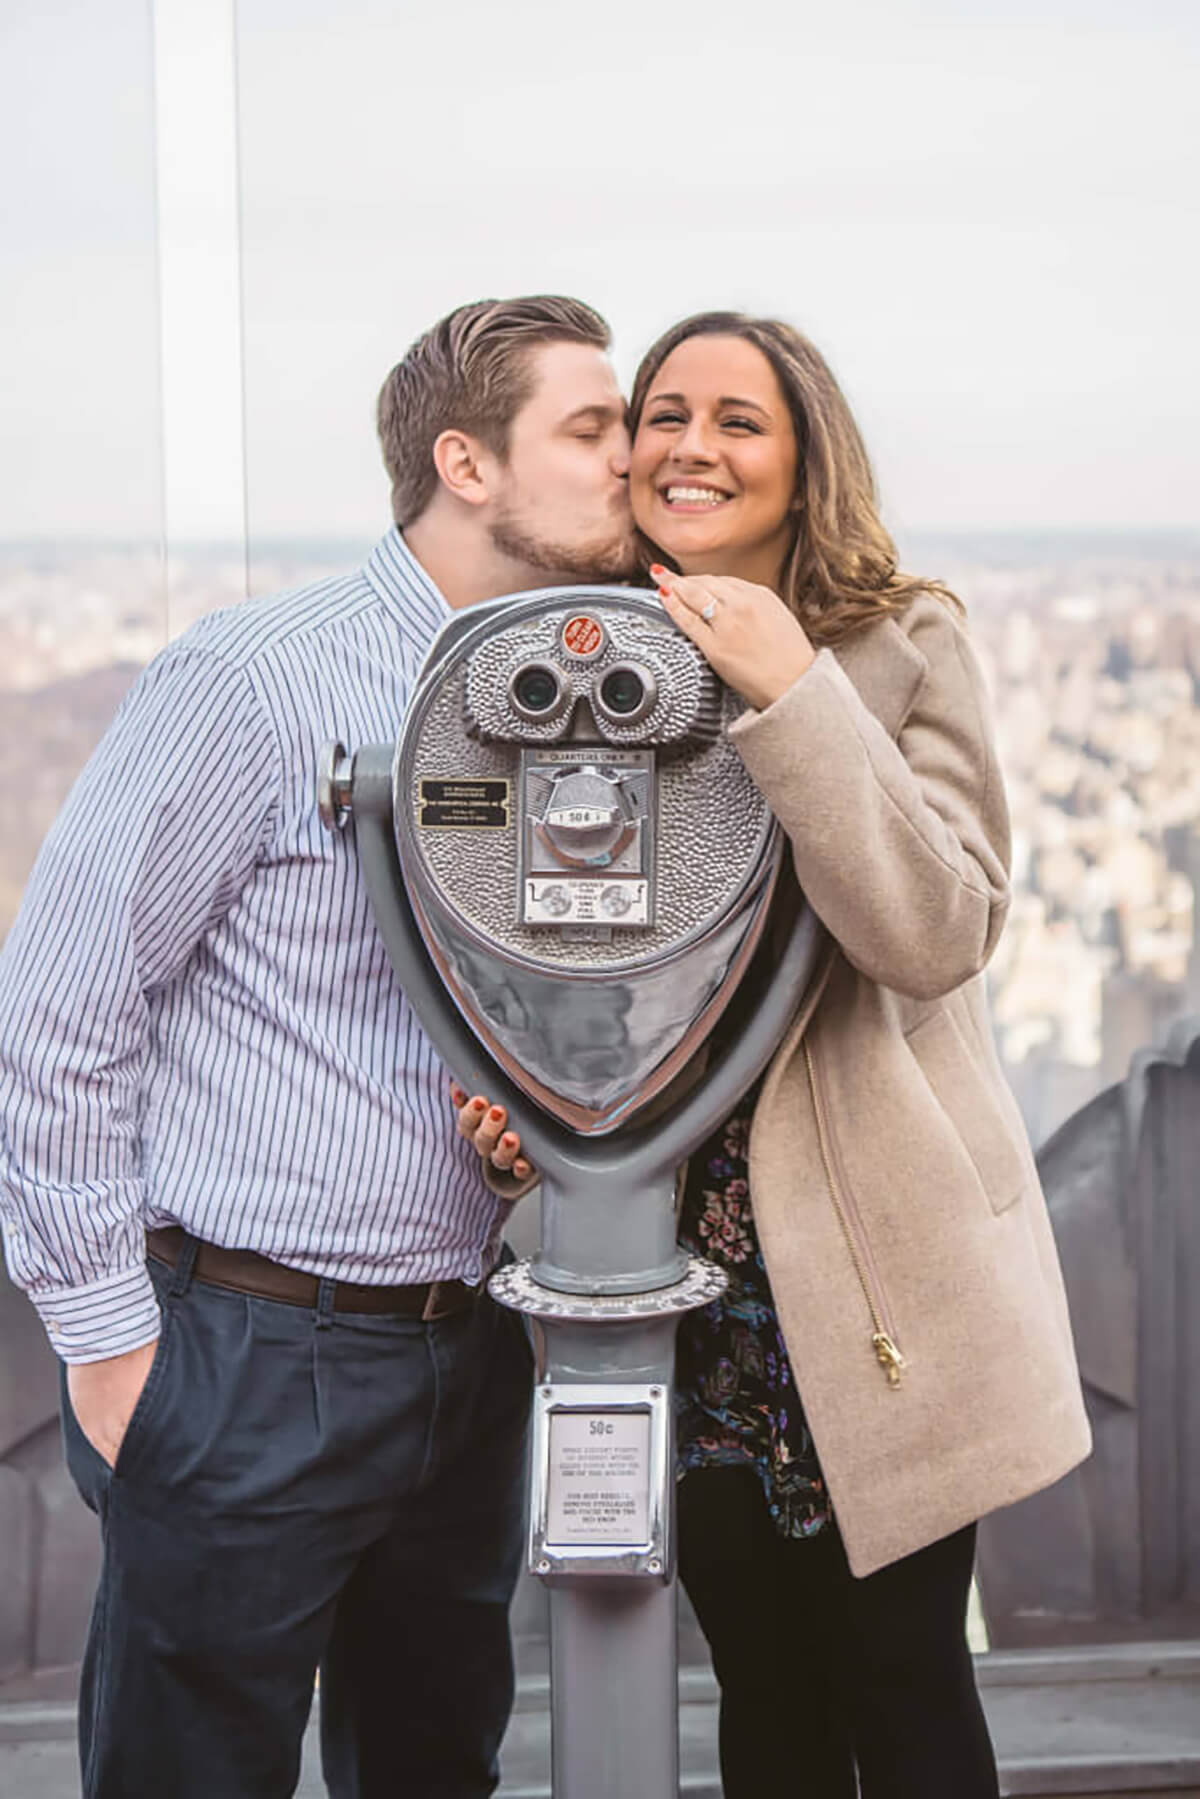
pixel 1093 657
pixel 1092 650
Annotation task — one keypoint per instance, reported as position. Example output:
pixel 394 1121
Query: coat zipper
pixel 883 1336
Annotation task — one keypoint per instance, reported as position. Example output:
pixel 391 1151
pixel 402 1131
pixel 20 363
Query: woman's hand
pixel 483 1125
pixel 750 638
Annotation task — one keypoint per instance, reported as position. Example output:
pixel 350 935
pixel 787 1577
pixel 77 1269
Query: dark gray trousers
pixel 303 1489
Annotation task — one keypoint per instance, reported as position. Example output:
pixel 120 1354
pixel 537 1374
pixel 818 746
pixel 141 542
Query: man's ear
pixel 465 467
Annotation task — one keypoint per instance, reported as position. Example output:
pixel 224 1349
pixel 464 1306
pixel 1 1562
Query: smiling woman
pixel 763 448
pixel 849 1408
pixel 715 467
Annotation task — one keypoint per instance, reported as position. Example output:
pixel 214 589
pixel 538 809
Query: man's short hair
pixel 470 372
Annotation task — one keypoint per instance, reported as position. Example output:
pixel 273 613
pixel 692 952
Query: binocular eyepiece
pixel 602 674
pixel 577 841
pixel 583 851
pixel 623 694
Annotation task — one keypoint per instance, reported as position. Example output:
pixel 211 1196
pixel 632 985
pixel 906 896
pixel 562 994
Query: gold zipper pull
pixel 888 1357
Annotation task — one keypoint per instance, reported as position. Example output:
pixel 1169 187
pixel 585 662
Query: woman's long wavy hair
pixel 841 572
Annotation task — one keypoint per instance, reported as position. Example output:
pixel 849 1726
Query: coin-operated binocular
pixel 573 875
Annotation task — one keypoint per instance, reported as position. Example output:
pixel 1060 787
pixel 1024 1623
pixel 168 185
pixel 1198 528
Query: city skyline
pixel 1093 661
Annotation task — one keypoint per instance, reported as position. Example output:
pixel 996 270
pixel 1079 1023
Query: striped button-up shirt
pixel 198 1021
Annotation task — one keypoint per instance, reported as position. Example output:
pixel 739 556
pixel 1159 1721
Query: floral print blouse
pixel 735 1399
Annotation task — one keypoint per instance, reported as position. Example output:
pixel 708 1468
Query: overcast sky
pixel 984 213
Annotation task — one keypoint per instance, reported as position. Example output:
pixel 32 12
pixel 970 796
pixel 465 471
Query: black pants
pixel 300 1488
pixel 821 1673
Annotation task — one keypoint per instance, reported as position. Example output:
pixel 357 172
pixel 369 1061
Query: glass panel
pixel 82 608
pixel 82 601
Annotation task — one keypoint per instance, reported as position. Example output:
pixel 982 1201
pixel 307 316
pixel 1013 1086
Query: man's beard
pixel 610 559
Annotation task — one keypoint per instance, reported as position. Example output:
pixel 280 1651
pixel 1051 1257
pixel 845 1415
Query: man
pixel 299 1420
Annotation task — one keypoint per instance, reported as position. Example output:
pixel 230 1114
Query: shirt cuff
pixel 104 1318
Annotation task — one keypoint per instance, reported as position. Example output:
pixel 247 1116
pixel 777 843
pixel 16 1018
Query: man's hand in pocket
pixel 104 1394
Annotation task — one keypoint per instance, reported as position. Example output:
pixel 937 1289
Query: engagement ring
pixel 707 612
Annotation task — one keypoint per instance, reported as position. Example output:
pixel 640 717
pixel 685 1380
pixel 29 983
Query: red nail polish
pixel 664 593
pixel 656 568
pixel 496 1113
pixel 477 1105
pixel 508 1138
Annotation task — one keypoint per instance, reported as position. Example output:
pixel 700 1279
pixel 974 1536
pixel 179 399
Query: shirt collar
pixel 411 595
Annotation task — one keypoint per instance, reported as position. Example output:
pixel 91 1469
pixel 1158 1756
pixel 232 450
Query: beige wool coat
pixel 895 1195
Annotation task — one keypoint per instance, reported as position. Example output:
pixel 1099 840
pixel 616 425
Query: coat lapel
pixel 886 668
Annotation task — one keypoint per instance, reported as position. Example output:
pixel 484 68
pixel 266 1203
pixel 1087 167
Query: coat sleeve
pixel 901 842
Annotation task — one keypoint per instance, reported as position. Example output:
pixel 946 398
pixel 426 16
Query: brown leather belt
pixel 245 1271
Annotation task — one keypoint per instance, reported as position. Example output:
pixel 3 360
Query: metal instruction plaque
pixel 462 804
pixel 600 1498
pixel 599 1477
pixel 569 901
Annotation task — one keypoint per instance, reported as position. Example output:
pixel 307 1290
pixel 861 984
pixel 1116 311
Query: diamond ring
pixel 708 613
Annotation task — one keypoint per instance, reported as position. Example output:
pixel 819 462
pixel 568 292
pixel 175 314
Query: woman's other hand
pixel 744 631
pixel 483 1126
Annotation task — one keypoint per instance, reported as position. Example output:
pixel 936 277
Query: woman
pixel 893 1357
